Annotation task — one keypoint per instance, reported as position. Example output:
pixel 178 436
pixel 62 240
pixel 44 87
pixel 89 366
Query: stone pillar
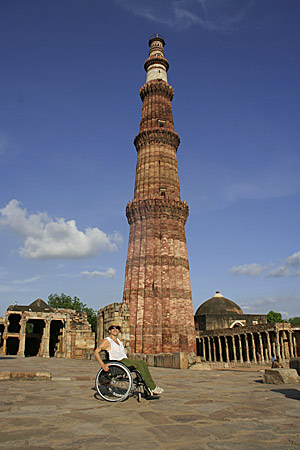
pixel 281 340
pixel 247 348
pixel 209 348
pixel 44 349
pixel 269 345
pixel 290 338
pixel 295 345
pixel 240 349
pixel 261 347
pixel 63 337
pixel 273 344
pixel 253 348
pixel 234 349
pixel 204 349
pixel 100 327
pixel 214 349
pixel 4 337
pixel 220 349
pixel 278 353
pixel 226 349
pixel 21 351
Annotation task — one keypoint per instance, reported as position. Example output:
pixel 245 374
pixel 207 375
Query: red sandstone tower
pixel 157 280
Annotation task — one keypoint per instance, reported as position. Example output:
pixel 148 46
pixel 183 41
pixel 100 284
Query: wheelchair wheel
pixel 114 385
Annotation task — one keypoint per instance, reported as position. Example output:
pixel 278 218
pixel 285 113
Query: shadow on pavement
pixel 289 393
pixel 7 357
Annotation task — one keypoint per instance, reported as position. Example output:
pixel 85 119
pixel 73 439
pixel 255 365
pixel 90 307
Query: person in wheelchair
pixel 116 351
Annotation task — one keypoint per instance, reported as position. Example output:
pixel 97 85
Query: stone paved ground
pixel 209 410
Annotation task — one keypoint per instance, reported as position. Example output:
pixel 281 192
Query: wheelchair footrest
pixel 152 397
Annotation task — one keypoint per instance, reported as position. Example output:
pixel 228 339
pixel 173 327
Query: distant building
pixel 39 330
pixel 225 334
pixel 220 312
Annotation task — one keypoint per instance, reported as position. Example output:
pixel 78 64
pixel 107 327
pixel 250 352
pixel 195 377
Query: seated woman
pixel 116 351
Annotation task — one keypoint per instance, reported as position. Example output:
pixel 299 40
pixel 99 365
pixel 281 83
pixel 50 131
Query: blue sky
pixel 70 76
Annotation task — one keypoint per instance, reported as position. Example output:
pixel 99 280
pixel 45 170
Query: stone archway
pixel 34 334
pixel 236 324
pixel 55 342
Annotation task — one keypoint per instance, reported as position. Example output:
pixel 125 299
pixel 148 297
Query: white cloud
pixel 45 238
pixel 110 273
pixel 281 304
pixel 213 15
pixel 257 303
pixel 289 267
pixel 253 269
pixel 28 280
pixel 280 271
pixel 10 288
pixel 293 260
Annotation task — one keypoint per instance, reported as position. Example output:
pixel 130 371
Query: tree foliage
pixel 67 302
pixel 294 320
pixel 274 317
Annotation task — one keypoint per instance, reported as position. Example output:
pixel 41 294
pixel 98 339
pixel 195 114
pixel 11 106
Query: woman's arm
pixel 104 345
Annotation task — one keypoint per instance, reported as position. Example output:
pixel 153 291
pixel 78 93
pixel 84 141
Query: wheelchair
pixel 121 382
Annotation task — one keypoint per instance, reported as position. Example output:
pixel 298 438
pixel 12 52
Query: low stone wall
pixel 177 360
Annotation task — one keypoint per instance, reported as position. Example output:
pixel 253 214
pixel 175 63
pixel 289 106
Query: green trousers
pixel 142 367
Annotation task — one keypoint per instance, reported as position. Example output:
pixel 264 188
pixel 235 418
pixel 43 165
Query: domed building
pixel 220 312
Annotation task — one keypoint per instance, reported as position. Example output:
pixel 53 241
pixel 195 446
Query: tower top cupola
pixel 156 65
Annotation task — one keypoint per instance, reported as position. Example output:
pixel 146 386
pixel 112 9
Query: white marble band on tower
pixel 156 65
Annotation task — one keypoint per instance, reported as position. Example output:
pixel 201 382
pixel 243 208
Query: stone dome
pixel 218 304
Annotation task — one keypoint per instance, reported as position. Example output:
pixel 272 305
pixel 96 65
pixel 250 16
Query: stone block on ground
pixel 192 359
pixel 150 360
pixel 30 376
pixel 295 364
pixel 200 366
pixel 281 376
pixel 4 376
pixel 179 361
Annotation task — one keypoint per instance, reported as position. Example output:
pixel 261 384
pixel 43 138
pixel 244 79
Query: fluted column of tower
pixel 157 280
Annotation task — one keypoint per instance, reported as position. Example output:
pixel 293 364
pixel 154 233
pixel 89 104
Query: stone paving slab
pixel 209 410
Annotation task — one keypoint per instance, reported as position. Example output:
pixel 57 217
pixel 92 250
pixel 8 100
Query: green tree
pixel 294 320
pixel 274 317
pixel 67 302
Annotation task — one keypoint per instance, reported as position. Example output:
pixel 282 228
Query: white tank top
pixel 116 351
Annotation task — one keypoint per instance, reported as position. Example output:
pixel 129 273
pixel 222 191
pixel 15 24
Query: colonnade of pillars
pixel 45 333
pixel 248 347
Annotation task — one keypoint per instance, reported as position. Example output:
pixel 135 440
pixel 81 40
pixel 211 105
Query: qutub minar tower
pixel 157 280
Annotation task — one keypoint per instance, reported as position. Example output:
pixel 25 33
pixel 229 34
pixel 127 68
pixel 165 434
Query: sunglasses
pixel 115 328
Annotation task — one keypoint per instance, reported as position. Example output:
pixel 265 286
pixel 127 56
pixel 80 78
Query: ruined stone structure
pixel 39 330
pixel 157 280
pixel 225 334
pixel 117 312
